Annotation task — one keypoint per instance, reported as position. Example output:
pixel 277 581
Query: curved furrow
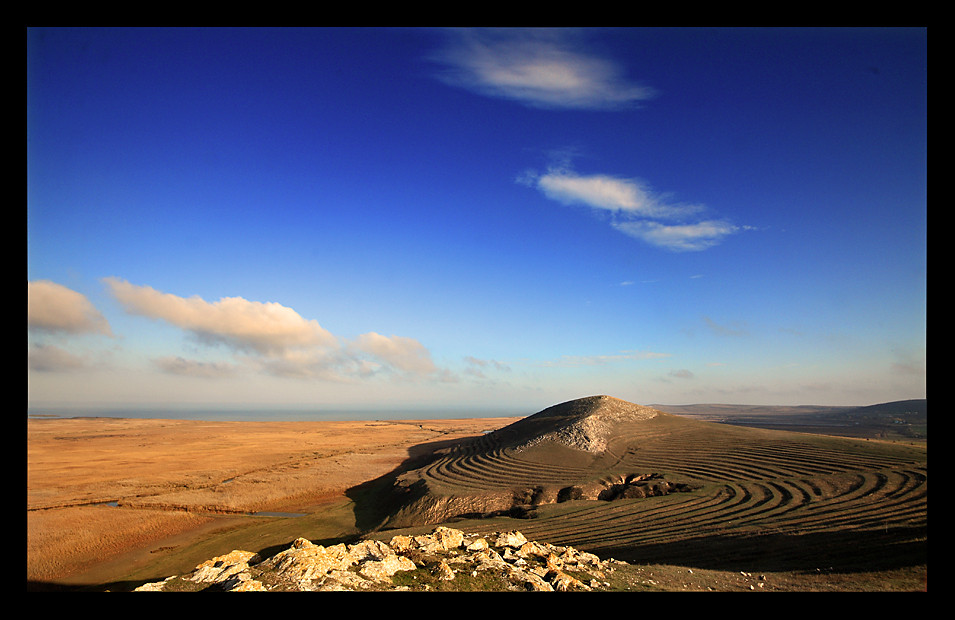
pixel 790 498
pixel 876 502
pixel 654 533
pixel 491 478
pixel 882 511
pixel 481 471
pixel 730 463
pixel 510 472
pixel 448 472
pixel 762 459
pixel 913 481
pixel 608 522
pixel 769 505
pixel 553 472
pixel 846 492
pixel 738 463
pixel 459 470
pixel 816 459
pixel 774 465
pixel 674 464
pixel 737 502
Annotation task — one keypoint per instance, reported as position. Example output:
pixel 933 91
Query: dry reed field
pixel 167 478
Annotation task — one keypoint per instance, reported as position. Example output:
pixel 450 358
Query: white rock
pixel 384 569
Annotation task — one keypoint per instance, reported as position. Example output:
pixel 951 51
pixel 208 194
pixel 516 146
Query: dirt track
pixel 173 477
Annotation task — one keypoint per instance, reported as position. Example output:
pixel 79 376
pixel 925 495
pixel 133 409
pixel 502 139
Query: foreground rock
pixel 446 559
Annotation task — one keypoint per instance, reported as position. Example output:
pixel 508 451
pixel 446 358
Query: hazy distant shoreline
pixel 271 415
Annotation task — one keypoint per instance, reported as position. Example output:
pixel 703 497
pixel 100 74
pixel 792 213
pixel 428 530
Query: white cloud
pixel 52 307
pixel 678 237
pixel 600 191
pixel 538 67
pixel 405 354
pixel 635 210
pixel 267 328
pixel 274 339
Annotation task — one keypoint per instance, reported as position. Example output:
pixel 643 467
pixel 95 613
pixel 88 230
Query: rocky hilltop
pixel 446 559
pixel 570 451
pixel 584 424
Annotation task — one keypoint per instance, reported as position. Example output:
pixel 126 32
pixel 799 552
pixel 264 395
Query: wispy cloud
pixel 176 365
pixel 598 360
pixel 476 367
pixel 635 209
pixel 724 330
pixel 681 373
pixel 619 195
pixel 51 358
pixel 405 354
pixel 539 67
pixel 54 308
pixel 679 237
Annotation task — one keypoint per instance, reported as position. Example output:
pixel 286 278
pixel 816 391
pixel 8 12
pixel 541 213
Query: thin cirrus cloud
pixel 551 68
pixel 543 68
pixel 599 360
pixel 679 237
pixel 636 211
pixel 272 338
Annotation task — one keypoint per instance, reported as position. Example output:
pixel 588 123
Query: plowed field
pixel 759 499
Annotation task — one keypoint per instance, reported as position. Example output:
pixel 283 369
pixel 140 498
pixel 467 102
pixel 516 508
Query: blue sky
pixel 401 217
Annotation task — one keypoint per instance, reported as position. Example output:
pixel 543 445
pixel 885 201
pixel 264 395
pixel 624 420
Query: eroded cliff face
pixel 425 508
pixel 445 559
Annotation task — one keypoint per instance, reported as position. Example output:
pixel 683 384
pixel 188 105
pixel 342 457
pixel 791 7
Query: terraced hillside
pixel 638 484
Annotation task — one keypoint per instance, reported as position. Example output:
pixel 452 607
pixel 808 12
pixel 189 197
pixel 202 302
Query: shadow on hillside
pixel 376 499
pixel 832 552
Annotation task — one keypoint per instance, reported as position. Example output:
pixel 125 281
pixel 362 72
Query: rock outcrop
pixel 446 559
pixel 587 423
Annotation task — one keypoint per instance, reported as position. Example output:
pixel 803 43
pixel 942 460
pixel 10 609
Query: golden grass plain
pixel 172 482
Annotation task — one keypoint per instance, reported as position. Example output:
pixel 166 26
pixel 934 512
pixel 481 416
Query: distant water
pixel 271 415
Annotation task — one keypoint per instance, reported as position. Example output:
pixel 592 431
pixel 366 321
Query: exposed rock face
pixel 591 421
pixel 444 556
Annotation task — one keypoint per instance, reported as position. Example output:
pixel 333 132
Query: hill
pixel 640 484
pixel 901 420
